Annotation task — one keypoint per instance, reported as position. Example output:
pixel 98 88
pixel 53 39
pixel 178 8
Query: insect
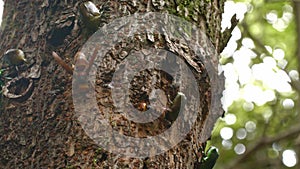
pixel 83 66
pixel 14 57
pixel 90 14
pixel 142 106
pixel 178 102
pixel 80 57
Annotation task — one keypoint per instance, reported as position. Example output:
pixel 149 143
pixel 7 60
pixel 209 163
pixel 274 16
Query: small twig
pixel 256 41
pixel 58 59
pixel 296 85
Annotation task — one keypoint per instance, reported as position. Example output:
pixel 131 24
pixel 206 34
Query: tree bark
pixel 40 129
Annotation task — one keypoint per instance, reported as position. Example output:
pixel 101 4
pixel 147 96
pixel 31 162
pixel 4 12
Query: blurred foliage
pixel 258 135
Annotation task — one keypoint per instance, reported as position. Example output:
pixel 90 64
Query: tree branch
pixel 265 141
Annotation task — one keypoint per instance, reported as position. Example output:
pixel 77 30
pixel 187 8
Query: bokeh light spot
pixel 227 144
pixel 230 119
pixel 240 149
pixel 248 106
pixel 226 133
pixel 250 126
pixel 241 134
pixel 288 104
pixel 289 158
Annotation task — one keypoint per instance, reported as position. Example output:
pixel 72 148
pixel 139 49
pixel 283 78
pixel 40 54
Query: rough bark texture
pixel 41 130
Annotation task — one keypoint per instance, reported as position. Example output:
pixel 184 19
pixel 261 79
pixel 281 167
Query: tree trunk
pixel 39 127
